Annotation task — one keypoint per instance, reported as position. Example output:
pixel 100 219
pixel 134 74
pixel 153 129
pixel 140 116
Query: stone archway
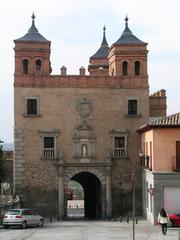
pixel 92 194
pixel 94 186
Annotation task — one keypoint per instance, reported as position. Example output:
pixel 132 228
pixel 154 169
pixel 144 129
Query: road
pixel 90 230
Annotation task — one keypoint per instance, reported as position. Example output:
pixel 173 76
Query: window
pixel 25 66
pixel 125 68
pixel 132 107
pixel 120 143
pixel 119 147
pixel 49 143
pixel 49 147
pixel 32 107
pixel 137 68
pixel 38 65
pixel 112 72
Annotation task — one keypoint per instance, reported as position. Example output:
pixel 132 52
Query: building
pixel 160 158
pixel 79 127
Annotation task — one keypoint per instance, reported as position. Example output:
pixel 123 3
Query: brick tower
pixel 79 127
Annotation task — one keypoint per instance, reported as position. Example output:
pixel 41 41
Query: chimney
pixel 82 71
pixel 63 71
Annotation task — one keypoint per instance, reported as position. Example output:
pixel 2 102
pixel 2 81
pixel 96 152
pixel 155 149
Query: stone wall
pixel 36 177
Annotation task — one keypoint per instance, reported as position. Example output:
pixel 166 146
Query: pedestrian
pixel 163 220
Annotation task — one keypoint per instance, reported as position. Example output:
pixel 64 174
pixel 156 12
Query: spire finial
pixel 126 20
pixel 33 28
pixel 104 42
pixel 104 29
pixel 33 16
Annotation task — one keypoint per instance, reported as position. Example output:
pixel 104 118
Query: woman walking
pixel 163 220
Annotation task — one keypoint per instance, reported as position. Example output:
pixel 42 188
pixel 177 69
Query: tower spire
pixel 104 41
pixel 33 33
pixel 126 20
pixel 33 17
pixel 33 28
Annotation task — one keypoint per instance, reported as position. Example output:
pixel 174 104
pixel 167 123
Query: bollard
pixel 136 220
pixel 127 220
pixel 57 219
pixel 50 219
pixel 120 219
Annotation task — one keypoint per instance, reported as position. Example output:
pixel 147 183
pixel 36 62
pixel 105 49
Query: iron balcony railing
pixel 49 153
pixel 146 161
pixel 119 152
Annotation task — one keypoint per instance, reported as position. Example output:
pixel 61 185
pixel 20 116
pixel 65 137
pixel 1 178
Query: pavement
pixel 110 230
pixel 92 230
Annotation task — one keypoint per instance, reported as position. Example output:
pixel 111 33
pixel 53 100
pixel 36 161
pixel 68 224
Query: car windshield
pixel 14 212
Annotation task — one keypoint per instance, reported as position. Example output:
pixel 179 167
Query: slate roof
pixel 102 52
pixel 127 37
pixel 172 121
pixel 33 34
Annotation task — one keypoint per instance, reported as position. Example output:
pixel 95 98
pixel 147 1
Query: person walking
pixel 163 220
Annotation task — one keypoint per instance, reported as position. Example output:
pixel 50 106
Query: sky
pixel 75 29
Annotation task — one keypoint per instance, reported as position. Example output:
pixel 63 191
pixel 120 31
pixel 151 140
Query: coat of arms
pixel 84 107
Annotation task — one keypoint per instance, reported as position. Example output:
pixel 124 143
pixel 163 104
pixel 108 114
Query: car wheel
pixel 6 226
pixel 41 223
pixel 24 225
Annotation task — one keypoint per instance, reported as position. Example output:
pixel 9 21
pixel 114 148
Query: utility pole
pixel 133 203
pixel 1 171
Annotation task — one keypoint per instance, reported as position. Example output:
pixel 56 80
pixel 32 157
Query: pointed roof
pixel 32 34
pixel 127 36
pixel 171 121
pixel 102 52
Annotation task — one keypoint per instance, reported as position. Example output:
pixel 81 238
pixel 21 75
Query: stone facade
pixel 80 128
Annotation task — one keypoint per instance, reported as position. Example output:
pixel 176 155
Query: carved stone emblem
pixel 84 107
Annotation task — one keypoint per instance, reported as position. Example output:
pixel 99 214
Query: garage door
pixel 172 199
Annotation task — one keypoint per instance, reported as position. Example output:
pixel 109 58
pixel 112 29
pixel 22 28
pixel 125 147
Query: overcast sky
pixel 74 28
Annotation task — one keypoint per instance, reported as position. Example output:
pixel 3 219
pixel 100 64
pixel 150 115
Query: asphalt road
pixel 90 230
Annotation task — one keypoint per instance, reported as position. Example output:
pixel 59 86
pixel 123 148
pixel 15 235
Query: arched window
pixel 112 72
pixel 25 66
pixel 125 68
pixel 38 65
pixel 137 68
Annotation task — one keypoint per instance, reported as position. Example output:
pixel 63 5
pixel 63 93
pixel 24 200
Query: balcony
pixel 176 163
pixel 146 161
pixel 49 153
pixel 119 153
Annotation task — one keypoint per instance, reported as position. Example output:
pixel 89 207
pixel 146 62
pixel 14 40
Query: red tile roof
pixel 172 121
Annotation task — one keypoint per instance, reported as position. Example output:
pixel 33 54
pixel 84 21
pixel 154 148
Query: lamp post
pixel 1 165
pixel 133 203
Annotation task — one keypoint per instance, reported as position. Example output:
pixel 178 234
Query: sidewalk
pixel 110 230
pixel 92 230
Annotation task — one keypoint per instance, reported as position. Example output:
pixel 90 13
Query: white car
pixel 22 217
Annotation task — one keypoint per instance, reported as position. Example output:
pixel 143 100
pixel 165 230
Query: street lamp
pixel 1 159
pixel 133 203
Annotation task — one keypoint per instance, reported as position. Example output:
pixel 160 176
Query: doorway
pixel 92 194
pixel 178 155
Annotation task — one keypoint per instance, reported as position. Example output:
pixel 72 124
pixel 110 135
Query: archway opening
pixel 92 194
pixel 75 200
